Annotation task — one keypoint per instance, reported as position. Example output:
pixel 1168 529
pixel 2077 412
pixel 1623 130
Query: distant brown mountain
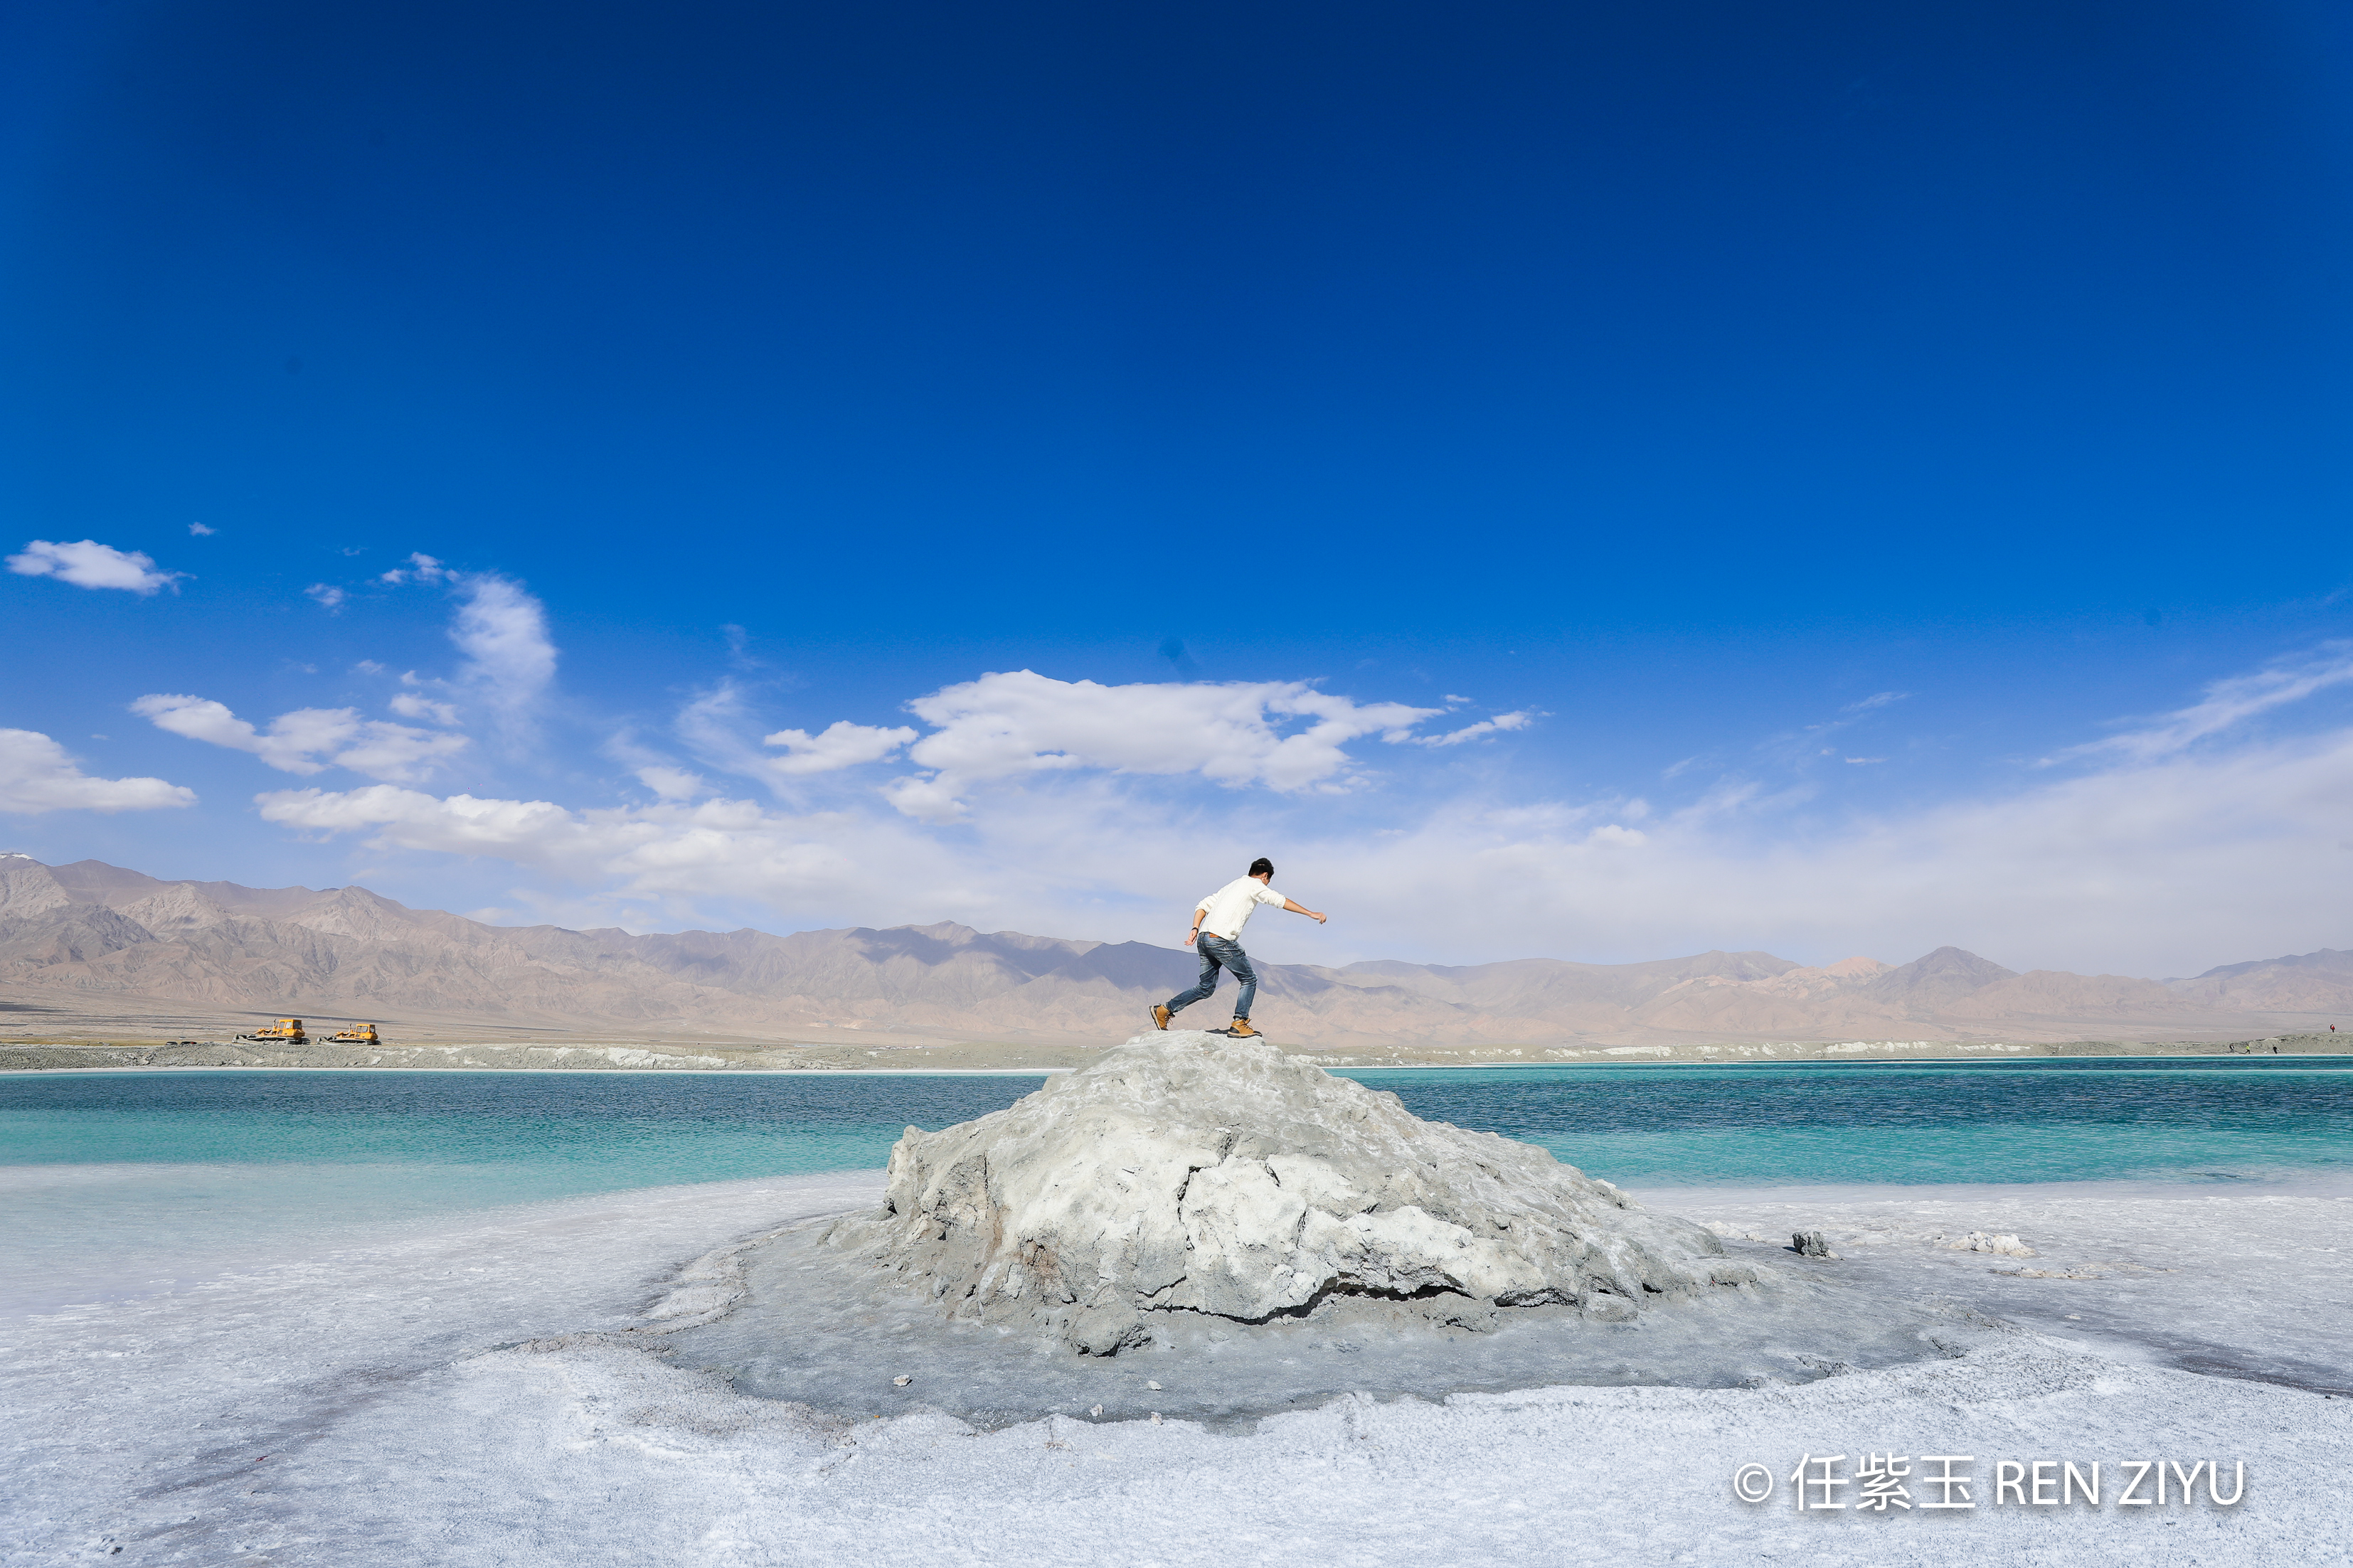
pixel 88 932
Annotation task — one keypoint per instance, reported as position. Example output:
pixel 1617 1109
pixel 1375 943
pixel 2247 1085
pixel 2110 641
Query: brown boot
pixel 1160 1014
pixel 1242 1031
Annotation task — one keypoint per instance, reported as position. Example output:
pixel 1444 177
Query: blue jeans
pixel 1217 954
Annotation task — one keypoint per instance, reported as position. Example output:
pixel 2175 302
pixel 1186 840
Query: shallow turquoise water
pixel 125 1183
pixel 2052 1120
pixel 516 1136
pixel 117 1182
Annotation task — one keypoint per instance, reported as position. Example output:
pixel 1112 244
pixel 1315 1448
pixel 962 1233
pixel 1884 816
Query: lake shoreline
pixel 989 1057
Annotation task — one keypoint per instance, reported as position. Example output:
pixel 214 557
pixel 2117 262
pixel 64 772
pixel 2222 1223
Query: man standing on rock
pixel 1217 924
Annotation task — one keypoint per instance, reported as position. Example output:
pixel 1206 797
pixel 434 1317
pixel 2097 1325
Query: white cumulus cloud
pixel 1006 725
pixel 37 774
pixel 672 784
pixel 328 595
pixel 839 745
pixel 412 705
pixel 308 739
pixel 2140 860
pixel 87 563
pixel 924 799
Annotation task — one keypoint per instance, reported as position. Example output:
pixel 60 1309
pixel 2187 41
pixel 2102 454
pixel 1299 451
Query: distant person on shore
pixel 1217 924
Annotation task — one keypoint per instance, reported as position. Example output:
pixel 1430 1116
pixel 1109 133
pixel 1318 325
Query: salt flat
pixel 372 1404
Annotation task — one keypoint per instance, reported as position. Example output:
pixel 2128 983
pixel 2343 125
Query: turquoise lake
pixel 522 1135
pixel 119 1181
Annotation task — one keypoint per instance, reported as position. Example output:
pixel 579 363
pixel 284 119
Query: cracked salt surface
pixel 353 1408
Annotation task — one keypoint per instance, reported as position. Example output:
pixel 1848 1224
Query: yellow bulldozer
pixel 285 1032
pixel 362 1035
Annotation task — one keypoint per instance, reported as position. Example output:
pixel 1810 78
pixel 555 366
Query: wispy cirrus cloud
pixel 1502 724
pixel 2226 704
pixel 1876 700
pixel 508 658
pixel 1809 743
pixel 501 630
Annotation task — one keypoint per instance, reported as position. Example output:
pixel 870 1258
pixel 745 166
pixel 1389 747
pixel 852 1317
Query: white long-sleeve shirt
pixel 1232 906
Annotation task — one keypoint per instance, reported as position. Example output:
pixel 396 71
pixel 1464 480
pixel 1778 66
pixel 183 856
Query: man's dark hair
pixel 1261 867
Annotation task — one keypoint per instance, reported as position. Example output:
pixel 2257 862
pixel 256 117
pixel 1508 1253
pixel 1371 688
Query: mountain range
pixel 89 935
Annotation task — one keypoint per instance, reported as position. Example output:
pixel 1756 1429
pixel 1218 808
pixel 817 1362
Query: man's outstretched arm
pixel 1316 915
pixel 1199 916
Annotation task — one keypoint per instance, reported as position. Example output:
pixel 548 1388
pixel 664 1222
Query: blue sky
pixel 1878 475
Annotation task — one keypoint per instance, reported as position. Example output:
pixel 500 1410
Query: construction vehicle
pixel 285 1032
pixel 362 1035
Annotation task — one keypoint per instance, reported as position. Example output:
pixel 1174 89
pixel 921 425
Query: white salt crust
pixel 396 1432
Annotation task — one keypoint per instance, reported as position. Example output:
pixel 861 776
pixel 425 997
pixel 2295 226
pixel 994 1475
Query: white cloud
pixel 2137 864
pixel 724 847
pixel 421 568
pixel 1007 725
pixel 656 772
pixel 90 565
pixel 288 745
pixel 199 531
pixel 37 775
pixel 2136 869
pixel 1499 723
pixel 1286 735
pixel 2230 702
pixel 712 727
pixel 308 739
pixel 409 705
pixel 384 750
pixel 525 830
pixel 924 799
pixel 328 596
pixel 502 632
pixel 2140 868
pixel 840 745
pixel 672 784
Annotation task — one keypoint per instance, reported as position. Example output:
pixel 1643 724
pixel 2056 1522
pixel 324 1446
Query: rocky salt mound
pixel 1188 1173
